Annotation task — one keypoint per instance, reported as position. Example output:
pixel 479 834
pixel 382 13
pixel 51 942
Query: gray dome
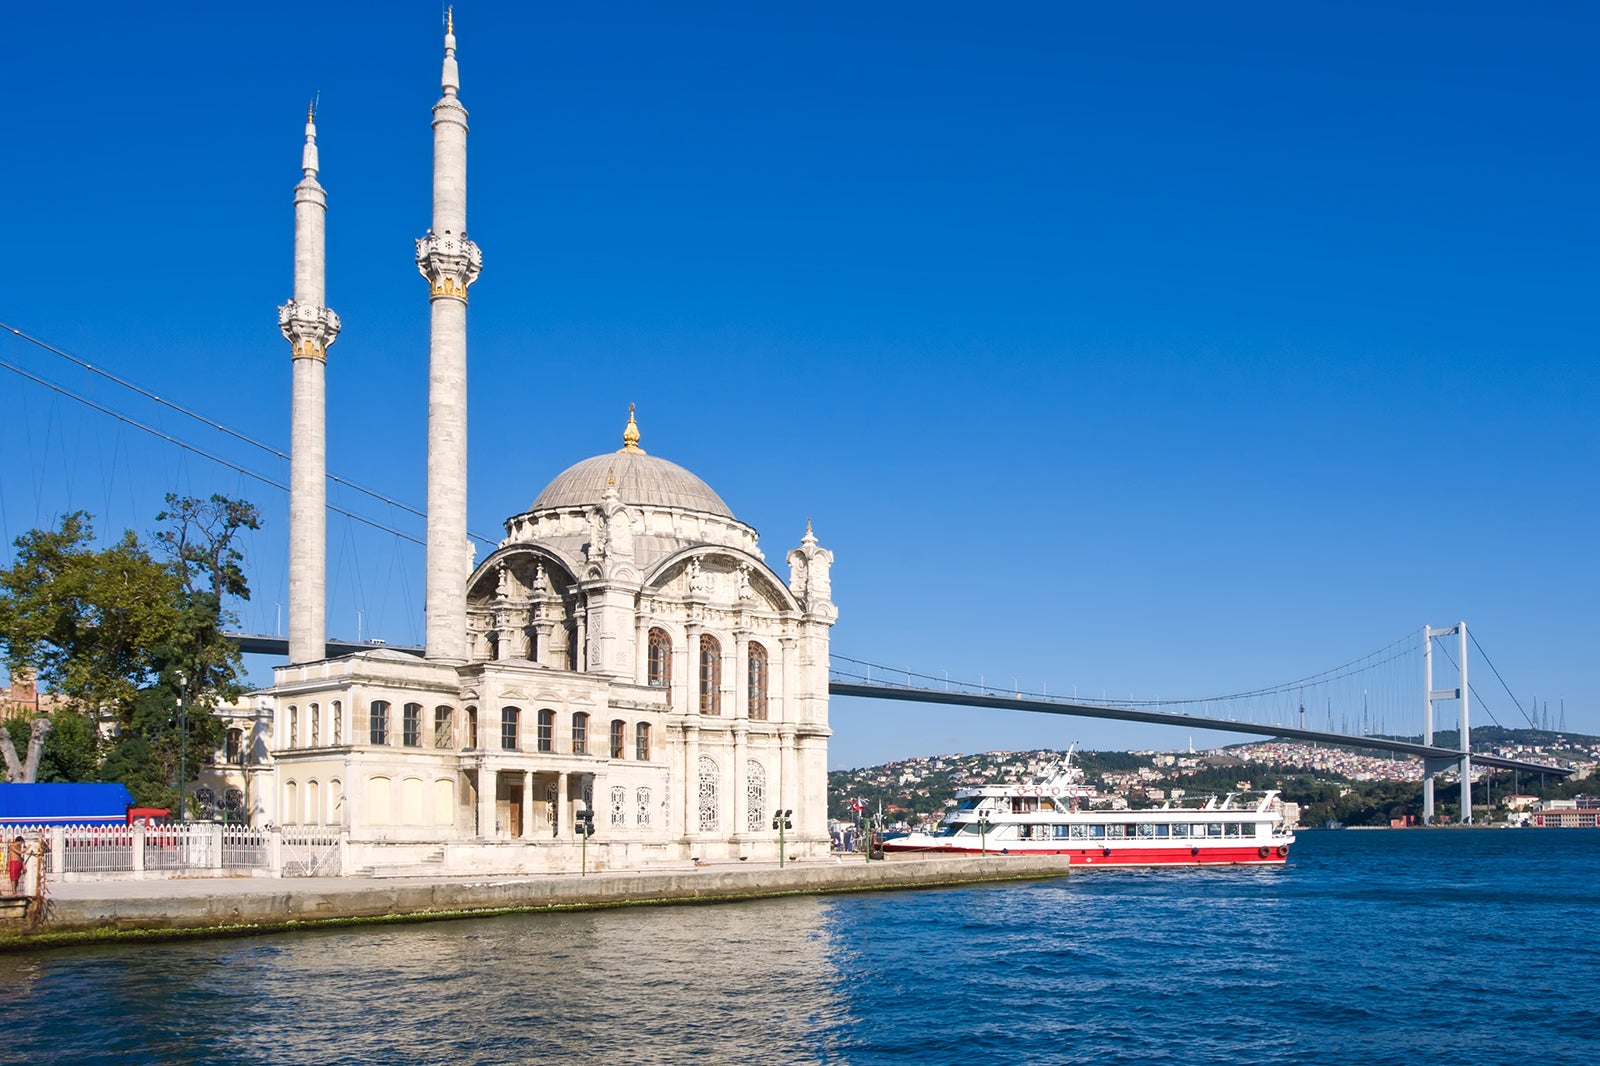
pixel 641 480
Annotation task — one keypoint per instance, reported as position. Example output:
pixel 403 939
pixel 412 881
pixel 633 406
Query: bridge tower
pixel 309 327
pixel 1433 695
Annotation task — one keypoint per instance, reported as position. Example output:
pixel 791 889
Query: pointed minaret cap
pixel 450 80
pixel 810 537
pixel 630 434
pixel 308 158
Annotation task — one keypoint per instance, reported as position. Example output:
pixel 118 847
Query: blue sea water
pixel 1368 947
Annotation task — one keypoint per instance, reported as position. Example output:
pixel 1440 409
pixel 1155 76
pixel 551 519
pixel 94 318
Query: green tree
pixel 121 633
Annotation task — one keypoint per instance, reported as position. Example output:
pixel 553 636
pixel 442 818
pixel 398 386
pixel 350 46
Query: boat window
pixel 1078 830
pixel 1180 829
pixel 1232 829
pixel 1214 829
pixel 1061 831
pixel 967 804
pixel 1147 829
pixel 1114 832
pixel 1097 832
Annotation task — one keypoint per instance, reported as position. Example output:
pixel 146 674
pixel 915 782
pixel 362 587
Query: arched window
pixel 472 727
pixel 755 776
pixel 378 723
pixel 291 803
pixel 758 681
pixel 547 730
pixel 294 726
pixel 641 800
pixel 619 738
pixel 235 749
pixel 572 647
pixel 660 659
pixel 233 804
pixel 338 722
pixel 580 733
pixel 207 799
pixel 641 742
pixel 619 807
pixel 316 726
pixel 508 728
pixel 710 675
pixel 411 726
pixel 444 727
pixel 313 803
pixel 709 821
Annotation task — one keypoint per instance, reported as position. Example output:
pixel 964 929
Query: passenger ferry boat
pixel 1056 818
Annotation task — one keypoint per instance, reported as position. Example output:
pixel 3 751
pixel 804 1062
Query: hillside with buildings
pixel 1327 783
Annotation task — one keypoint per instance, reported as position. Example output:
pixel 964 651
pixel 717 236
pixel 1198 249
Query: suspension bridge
pixel 1381 702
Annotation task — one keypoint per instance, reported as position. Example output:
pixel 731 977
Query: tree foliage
pixel 131 637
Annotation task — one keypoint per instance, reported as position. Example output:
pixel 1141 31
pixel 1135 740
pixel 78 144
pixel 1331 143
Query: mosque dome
pixel 640 479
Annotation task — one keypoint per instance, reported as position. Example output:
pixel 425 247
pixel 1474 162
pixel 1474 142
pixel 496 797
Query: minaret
pixel 450 262
pixel 310 328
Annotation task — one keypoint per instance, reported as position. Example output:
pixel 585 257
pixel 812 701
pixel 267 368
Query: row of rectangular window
pixel 510 730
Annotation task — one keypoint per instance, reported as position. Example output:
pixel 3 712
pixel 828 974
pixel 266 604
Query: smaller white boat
pixel 1060 817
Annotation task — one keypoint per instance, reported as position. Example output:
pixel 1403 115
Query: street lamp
pixel 183 749
pixel 782 820
pixel 585 830
pixel 983 835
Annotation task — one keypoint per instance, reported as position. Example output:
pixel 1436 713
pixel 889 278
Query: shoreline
pixel 108 912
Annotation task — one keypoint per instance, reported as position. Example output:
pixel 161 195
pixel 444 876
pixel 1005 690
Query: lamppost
pixel 585 829
pixel 183 749
pixel 782 820
pixel 983 835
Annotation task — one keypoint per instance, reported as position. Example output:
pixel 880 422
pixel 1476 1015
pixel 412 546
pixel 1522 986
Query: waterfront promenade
pixel 84 911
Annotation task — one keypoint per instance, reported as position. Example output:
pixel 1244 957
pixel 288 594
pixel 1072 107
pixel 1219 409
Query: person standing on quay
pixel 14 855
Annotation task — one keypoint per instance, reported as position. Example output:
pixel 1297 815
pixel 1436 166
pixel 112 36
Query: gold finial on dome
pixel 630 435
pixel 450 19
pixel 611 477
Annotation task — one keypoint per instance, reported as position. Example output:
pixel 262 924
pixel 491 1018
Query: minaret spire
pixel 309 328
pixel 451 263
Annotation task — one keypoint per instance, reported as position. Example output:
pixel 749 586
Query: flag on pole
pixel 858 805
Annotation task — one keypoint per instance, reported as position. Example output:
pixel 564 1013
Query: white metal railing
pixel 311 851
pixel 292 851
pixel 97 848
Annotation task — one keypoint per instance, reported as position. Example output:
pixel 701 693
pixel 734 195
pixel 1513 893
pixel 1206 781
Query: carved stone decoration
pixel 450 264
pixel 745 594
pixel 309 330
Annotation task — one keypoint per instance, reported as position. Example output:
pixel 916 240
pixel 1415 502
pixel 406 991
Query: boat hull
pixel 1240 855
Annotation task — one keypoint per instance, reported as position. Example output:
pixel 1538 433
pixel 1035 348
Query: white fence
pixel 198 847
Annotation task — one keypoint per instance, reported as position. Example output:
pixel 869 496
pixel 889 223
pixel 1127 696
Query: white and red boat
pixel 1061 816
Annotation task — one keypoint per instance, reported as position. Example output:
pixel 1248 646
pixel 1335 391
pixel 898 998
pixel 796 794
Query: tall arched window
pixel 411 725
pixel 313 802
pixel 316 726
pixel 547 731
pixel 641 799
pixel 660 659
pixel 619 807
pixel 641 742
pixel 294 726
pixel 337 710
pixel 235 749
pixel 291 804
pixel 758 681
pixel 709 822
pixel 619 738
pixel 580 733
pixel 508 728
pixel 378 723
pixel 755 776
pixel 472 728
pixel 444 727
pixel 710 675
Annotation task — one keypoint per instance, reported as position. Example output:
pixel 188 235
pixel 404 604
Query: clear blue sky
pixel 1162 349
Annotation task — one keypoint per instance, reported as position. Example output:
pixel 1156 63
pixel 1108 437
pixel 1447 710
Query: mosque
pixel 624 681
